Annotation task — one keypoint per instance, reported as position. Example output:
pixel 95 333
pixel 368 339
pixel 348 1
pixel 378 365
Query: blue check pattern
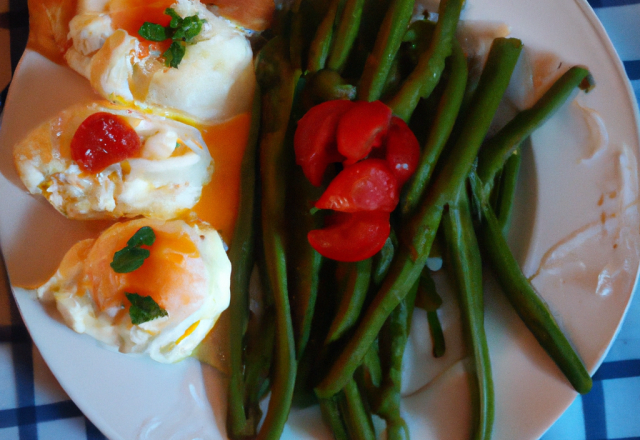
pixel 34 407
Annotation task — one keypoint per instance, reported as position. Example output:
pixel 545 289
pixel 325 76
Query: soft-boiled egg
pixel 213 82
pixel 77 161
pixel 186 275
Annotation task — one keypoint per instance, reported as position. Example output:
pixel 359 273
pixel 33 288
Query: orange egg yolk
pixel 130 15
pixel 218 204
pixel 173 275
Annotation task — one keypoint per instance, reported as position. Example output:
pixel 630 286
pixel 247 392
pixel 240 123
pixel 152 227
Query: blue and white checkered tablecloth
pixel 33 406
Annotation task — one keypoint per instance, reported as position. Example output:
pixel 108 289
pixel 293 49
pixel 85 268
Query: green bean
pixel 372 368
pixel 426 75
pixel 345 35
pixel 258 359
pixel 382 260
pixel 429 300
pixel 464 256
pixel 304 261
pixel 321 44
pixel 497 149
pixel 278 81
pixel 332 417
pixel 352 300
pixel 530 307
pixel 393 340
pixel 358 419
pixel 410 260
pixel 388 41
pixel 241 255
pixel 508 181
pixel 443 123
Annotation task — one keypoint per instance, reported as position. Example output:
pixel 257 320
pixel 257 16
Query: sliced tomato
pixel 403 150
pixel 102 140
pixel 315 138
pixel 361 129
pixel 351 236
pixel 368 185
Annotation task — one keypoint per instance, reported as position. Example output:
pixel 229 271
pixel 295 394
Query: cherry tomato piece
pixel 351 236
pixel 102 140
pixel 361 129
pixel 368 185
pixel 315 139
pixel 403 150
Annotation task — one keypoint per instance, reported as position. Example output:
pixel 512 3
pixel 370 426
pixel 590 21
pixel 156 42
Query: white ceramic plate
pixel 576 217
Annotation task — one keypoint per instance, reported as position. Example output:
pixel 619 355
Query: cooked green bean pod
pixel 330 409
pixel 356 415
pixel 393 340
pixel 507 193
pixel 379 62
pixel 441 127
pixel 530 307
pixel 497 149
pixel 426 75
pixel 241 255
pixel 345 34
pixel 464 256
pixel 428 299
pixel 352 300
pixel 321 44
pixel 278 82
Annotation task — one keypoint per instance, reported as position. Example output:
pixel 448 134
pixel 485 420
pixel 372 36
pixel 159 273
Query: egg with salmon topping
pixel 100 161
pixel 162 308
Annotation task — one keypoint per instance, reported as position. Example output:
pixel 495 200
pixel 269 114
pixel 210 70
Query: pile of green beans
pixel 334 334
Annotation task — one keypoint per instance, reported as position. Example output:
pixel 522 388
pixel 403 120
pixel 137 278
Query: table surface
pixel 34 406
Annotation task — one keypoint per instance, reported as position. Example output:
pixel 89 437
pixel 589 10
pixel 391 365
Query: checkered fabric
pixel 33 406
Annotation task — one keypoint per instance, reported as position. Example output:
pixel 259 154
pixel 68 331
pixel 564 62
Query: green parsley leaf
pixel 153 32
pixel 176 20
pixel 143 308
pixel 180 30
pixel 189 29
pixel 129 259
pixel 143 236
pixel 132 256
pixel 174 54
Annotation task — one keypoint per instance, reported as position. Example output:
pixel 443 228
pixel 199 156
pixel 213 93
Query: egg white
pixel 162 183
pixel 165 339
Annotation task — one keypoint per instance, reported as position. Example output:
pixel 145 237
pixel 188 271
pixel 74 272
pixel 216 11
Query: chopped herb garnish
pixel 143 308
pixel 153 32
pixel 132 256
pixel 174 54
pixel 181 31
pixel 143 236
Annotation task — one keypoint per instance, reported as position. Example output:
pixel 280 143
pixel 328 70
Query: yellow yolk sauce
pixel 218 204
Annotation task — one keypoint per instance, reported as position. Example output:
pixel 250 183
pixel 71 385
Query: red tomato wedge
pixel 368 185
pixel 351 236
pixel 361 129
pixel 403 150
pixel 315 139
pixel 102 140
